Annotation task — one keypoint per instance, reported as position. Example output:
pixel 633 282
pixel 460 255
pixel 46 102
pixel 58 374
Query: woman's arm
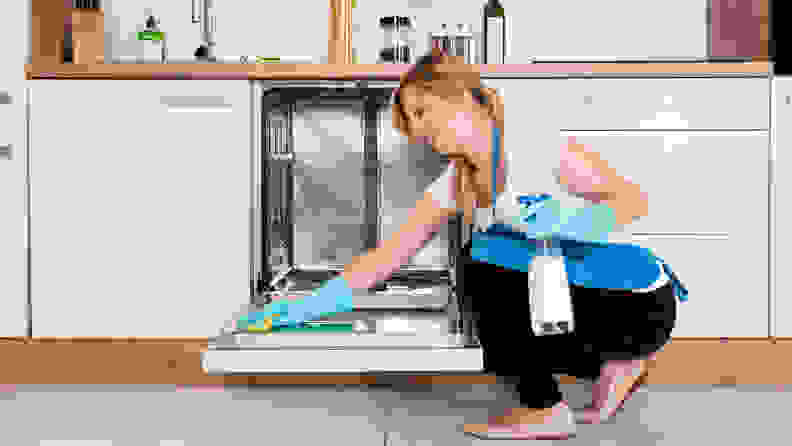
pixel 585 173
pixel 378 264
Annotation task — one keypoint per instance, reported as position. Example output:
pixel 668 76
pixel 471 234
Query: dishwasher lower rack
pixel 419 345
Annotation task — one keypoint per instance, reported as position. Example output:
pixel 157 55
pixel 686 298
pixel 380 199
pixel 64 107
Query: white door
pixel 14 22
pixel 140 206
pixel 782 128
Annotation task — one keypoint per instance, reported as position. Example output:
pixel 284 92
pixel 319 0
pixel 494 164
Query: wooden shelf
pixel 177 362
pixel 377 72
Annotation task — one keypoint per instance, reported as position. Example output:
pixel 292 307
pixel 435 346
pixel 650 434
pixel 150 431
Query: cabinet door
pixel 697 182
pixel 140 204
pixel 708 218
pixel 782 210
pixel 13 270
pixel 664 104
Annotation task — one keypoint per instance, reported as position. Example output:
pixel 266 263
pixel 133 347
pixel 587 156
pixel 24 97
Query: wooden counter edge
pixel 177 362
pixel 316 71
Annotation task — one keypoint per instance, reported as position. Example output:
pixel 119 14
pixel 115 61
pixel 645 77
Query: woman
pixel 616 331
pixel 439 109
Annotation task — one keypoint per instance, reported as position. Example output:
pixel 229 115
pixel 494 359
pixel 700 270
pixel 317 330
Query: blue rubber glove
pixel 549 219
pixel 335 296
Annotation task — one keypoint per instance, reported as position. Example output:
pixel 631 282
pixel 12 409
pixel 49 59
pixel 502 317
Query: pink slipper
pixel 560 426
pixel 603 405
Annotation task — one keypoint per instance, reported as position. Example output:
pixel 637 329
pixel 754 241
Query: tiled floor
pixel 402 415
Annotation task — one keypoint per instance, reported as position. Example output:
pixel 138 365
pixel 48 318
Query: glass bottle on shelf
pixel 494 33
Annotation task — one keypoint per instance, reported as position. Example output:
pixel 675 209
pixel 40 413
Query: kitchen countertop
pixel 383 72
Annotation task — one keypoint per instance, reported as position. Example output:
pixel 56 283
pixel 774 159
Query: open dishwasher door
pixel 356 342
pixel 331 179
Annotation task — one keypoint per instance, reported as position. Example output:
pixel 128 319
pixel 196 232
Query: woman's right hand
pixel 264 317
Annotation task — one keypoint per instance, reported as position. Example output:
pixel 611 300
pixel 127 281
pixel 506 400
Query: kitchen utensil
pixel 456 43
pixel 153 40
pixel 397 45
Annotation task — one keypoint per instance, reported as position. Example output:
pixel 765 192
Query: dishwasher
pixel 331 178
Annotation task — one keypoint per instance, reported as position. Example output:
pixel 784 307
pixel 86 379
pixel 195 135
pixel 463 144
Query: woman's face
pixel 452 126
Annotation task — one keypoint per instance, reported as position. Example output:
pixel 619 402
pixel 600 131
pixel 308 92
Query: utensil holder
pixel 87 36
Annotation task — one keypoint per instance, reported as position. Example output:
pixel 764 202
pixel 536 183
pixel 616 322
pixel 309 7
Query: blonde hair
pixel 449 77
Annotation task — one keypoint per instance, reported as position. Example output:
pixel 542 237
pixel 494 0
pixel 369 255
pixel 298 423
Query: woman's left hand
pixel 577 172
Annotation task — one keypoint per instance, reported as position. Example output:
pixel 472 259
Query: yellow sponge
pixel 264 326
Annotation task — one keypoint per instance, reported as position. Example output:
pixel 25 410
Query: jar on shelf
pixel 397 44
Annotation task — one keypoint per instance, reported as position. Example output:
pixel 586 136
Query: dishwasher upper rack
pixel 276 101
pixel 278 98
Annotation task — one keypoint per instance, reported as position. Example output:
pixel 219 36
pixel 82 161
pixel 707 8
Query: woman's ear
pixel 416 119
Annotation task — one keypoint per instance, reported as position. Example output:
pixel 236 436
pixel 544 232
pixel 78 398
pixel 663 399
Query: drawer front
pixel 696 183
pixel 706 103
pixel 727 280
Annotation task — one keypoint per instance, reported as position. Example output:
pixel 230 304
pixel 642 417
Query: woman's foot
pixel 528 424
pixel 617 382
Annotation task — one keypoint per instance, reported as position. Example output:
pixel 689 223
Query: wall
pixel 561 29
pixel 259 28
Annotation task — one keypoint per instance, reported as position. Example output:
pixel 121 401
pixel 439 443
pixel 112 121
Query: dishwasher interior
pixel 332 179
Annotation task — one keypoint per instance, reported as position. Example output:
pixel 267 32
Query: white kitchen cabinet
pixel 13 258
pixel 782 211
pixel 13 269
pixel 708 199
pixel 140 197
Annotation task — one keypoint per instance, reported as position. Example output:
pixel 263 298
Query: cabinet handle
pixel 195 103
pixel 5 152
pixel 787 100
pixel 5 98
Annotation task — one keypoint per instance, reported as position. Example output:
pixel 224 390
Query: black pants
pixel 609 325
